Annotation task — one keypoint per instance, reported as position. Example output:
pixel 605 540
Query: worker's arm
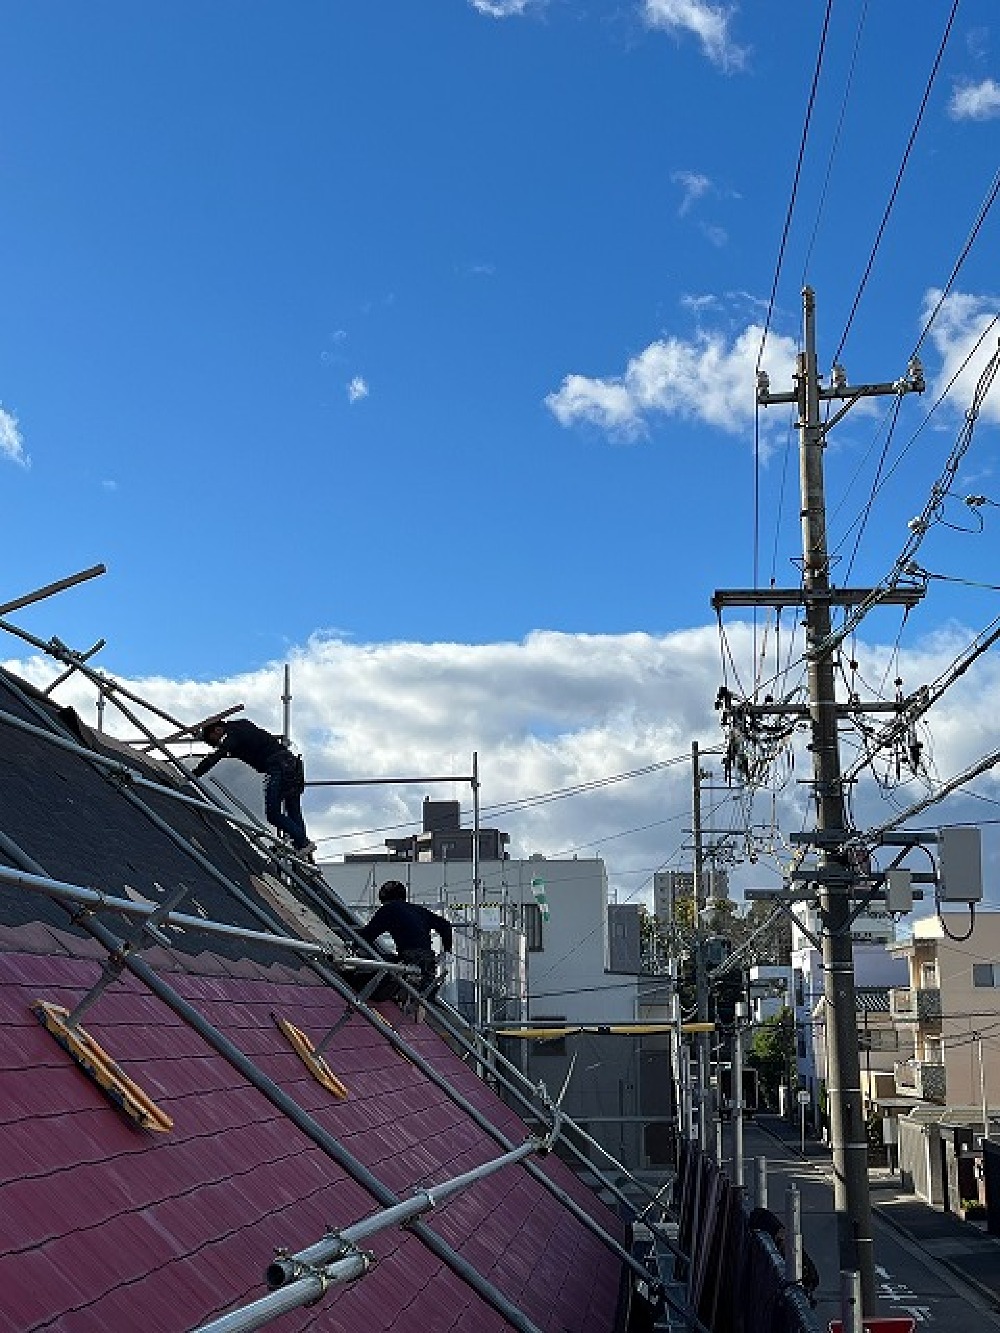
pixel 443 927
pixel 209 761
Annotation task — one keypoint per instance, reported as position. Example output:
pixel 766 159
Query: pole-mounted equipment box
pixel 960 865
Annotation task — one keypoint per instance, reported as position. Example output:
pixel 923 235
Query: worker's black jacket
pixel 409 925
pixel 252 744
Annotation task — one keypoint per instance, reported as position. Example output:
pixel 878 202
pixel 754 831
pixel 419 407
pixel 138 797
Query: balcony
pixel 921 1078
pixel 919 1006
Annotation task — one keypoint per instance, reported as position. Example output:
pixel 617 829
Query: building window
pixel 532 923
pixel 986 974
pixel 878 1039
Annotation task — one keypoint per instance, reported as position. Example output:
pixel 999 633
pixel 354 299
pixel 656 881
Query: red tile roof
pixel 105 1226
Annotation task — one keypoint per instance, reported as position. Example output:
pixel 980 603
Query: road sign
pixel 803 1098
pixel 892 1324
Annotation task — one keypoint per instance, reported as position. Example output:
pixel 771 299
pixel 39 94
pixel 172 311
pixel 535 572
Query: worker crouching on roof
pixel 409 925
pixel 284 779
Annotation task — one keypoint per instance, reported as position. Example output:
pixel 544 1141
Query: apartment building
pixel 948 1014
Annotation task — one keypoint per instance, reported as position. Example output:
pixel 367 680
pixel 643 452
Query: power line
pixel 899 178
pixel 527 802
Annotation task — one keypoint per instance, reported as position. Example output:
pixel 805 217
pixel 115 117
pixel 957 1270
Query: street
pixel 909 1281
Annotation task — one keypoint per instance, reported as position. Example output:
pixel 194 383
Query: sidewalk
pixel 962 1247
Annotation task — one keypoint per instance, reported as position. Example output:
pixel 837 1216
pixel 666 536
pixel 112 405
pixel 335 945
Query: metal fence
pixel 735 1277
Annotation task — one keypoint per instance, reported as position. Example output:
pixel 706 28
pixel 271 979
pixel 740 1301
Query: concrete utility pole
pixel 835 878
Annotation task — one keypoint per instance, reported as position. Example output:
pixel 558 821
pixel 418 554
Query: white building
pixel 770 988
pixel 581 959
pixel 874 967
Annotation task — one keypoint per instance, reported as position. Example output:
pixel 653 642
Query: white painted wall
pixel 568 977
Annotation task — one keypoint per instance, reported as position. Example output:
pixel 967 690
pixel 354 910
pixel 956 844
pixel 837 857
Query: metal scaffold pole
pixel 701 977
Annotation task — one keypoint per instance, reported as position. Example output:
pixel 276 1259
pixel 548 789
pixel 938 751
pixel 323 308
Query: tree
pixel 653 946
pixel 772 1051
pixel 770 941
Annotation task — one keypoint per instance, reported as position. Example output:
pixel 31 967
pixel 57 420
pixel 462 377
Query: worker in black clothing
pixel 409 925
pixel 284 780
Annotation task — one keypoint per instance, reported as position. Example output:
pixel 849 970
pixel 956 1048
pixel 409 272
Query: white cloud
pixel 717 235
pixel 357 389
pixel 957 327
pixel 504 9
pixel 11 441
pixel 478 268
pixel 694 186
pixel 706 379
pixel 551 712
pixel 976 101
pixel 707 22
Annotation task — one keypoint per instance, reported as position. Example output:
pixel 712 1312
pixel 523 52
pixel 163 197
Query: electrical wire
pixel 899 179
pixel 529 802
pixel 836 141
pixel 921 525
pixel 779 263
pixel 807 122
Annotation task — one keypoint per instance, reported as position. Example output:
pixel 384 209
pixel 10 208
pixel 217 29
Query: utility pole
pixel 834 879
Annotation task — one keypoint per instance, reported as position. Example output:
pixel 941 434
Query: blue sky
pixel 385 332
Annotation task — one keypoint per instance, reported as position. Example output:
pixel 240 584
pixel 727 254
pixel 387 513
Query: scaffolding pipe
pixel 309 1289
pixel 51 588
pixel 106 686
pixel 286 1268
pixel 186 734
pixel 94 898
pixel 65 675
pixel 477 925
pixel 120 768
pixel 654 1197
pixel 286 706
pixel 387 782
pixel 283 1103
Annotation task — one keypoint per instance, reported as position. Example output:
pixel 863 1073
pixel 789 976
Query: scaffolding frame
pixel 317 892
pixel 314 888
pixel 308 884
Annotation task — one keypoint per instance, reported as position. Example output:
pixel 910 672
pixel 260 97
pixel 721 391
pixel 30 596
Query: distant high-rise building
pixel 669 885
